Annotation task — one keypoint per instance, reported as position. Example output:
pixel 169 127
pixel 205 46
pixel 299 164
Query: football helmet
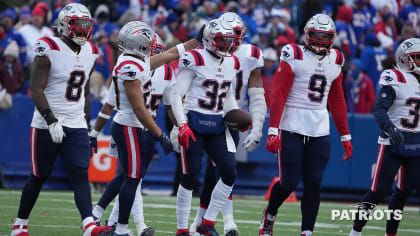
pixel 320 33
pixel 237 23
pixel 408 53
pixel 136 38
pixel 75 22
pixel 157 46
pixel 219 38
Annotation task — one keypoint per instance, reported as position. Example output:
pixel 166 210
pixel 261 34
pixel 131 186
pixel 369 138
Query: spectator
pixel 35 30
pixel 345 33
pixel 5 99
pixel 372 56
pixel 153 12
pixel 279 24
pixel 7 18
pixel 270 65
pixel 359 89
pixel 11 72
pixel 102 23
pixel 178 30
pixel 386 26
pixel 109 55
pixel 409 14
pixel 24 18
pixel 361 17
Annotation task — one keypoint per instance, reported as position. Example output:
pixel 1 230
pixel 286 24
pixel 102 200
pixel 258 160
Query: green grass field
pixel 55 214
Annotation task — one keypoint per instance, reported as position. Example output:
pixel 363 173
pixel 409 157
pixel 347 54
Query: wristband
pixel 105 116
pixel 49 116
pixel 94 133
pixel 346 138
pixel 181 49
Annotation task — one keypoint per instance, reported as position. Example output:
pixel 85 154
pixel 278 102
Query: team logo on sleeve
pixel 186 62
pixel 285 54
pixel 40 49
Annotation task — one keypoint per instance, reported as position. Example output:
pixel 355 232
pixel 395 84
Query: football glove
pixel 252 141
pixel 165 142
pixel 273 143
pixel 348 150
pixel 395 135
pixel 174 139
pixel 184 135
pixel 56 132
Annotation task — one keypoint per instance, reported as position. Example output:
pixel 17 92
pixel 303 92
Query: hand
pixel 348 150
pixel 273 143
pixel 395 135
pixel 199 36
pixel 244 130
pixel 174 139
pixel 165 142
pixel 252 141
pixel 184 135
pixel 56 132
pixel 93 144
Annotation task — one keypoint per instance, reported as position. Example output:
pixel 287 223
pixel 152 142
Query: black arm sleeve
pixel 383 103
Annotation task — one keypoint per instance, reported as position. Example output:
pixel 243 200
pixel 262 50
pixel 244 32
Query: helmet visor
pixel 81 28
pixel 224 43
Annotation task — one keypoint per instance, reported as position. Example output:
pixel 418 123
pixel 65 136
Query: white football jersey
pixel 306 111
pixel 211 82
pixel 404 111
pixel 250 57
pixel 69 73
pixel 154 90
pixel 129 68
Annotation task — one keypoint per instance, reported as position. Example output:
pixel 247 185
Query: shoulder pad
pixel 128 70
pixel 339 57
pixel 192 58
pixel 291 52
pixel 52 45
pixel 391 77
pixel 95 49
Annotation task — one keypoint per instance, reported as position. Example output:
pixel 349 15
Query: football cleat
pixel 127 234
pixel 193 229
pixel 147 232
pixel 92 230
pixel 207 228
pixel 232 232
pixel 267 224
pixel 182 232
pixel 20 230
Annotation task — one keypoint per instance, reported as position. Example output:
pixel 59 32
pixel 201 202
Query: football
pixel 238 119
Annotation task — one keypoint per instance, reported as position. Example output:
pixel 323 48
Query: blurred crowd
pixel 368 33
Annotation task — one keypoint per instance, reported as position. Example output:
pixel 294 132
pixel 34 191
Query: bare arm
pixel 39 79
pixel 135 97
pixel 171 54
pixel 171 114
pixel 87 101
pixel 255 79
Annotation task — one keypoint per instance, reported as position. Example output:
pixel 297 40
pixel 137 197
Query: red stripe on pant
pixel 378 167
pixel 133 151
pixel 400 178
pixel 279 160
pixel 34 164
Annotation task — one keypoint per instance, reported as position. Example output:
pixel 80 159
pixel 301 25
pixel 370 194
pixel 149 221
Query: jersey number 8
pixel 74 85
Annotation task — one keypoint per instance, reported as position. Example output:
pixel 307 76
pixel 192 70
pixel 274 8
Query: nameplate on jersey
pixel 205 124
pixel 410 147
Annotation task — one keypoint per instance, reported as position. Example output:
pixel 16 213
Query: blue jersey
pixel 347 36
pixel 361 19
pixel 410 13
pixel 372 58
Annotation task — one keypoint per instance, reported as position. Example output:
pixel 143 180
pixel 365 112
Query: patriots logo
pixel 387 78
pixel 286 54
pixel 147 33
pixel 213 24
pixel 67 8
pixel 39 49
pixel 407 45
pixel 113 145
pixel 131 73
pixel 365 206
pixel 186 62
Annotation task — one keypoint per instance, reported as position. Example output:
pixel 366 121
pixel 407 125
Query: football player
pixel 205 78
pixel 309 76
pixel 397 114
pixel 248 81
pixel 155 90
pixel 60 90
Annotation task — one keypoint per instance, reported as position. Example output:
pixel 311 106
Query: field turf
pixel 55 214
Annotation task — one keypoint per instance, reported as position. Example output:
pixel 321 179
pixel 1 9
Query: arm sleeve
pixel 281 84
pixel 181 87
pixel 383 103
pixel 167 94
pixel 338 107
